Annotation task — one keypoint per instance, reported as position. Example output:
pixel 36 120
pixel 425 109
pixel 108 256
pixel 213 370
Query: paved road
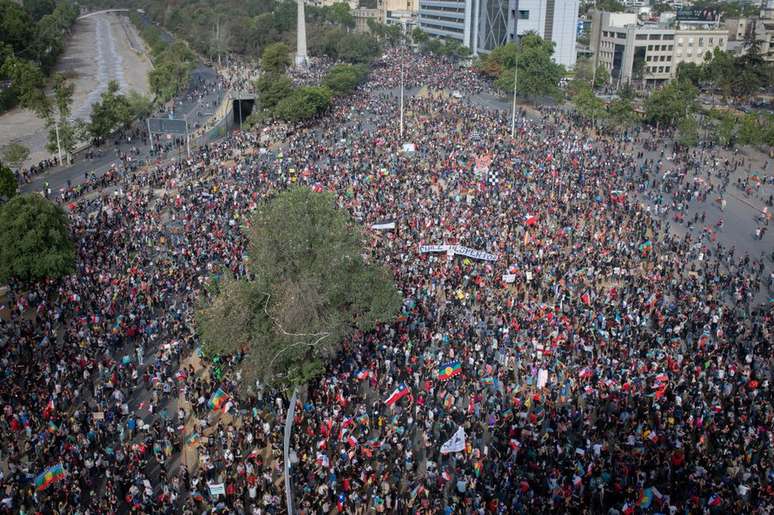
pixel 57 177
pixel 739 216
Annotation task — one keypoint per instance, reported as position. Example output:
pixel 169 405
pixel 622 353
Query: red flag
pixel 49 409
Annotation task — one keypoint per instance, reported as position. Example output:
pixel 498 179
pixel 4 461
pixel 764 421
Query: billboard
pixel 689 14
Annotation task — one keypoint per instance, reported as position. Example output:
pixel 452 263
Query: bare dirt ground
pixel 102 48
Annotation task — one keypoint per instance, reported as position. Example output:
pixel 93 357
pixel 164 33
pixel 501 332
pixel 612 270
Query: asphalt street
pixel 58 177
pixel 739 217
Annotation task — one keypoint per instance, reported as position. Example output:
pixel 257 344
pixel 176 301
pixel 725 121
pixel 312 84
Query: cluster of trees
pixel 32 36
pixel 277 98
pixel 538 74
pixel 171 71
pixel 731 76
pixel 173 60
pixel 310 288
pixel 618 115
pixel 35 242
pixel 728 128
pixel 245 28
pixel 449 48
pixel 339 44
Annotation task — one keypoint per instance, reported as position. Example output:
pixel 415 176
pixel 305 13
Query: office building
pixel 741 30
pixel 482 25
pixel 648 54
pixel 399 12
pixel 362 15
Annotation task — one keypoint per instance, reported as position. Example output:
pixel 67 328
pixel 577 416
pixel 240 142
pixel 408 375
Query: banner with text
pixel 459 249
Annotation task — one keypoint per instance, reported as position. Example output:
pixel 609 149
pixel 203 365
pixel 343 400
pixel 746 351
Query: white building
pixel 648 53
pixel 482 25
pixel 555 20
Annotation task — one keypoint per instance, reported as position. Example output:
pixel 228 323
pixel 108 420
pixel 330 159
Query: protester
pixel 599 363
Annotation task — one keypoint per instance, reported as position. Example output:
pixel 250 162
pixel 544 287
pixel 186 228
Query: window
pixel 670 48
pixel 669 58
pixel 650 47
pixel 641 36
pixel 701 42
pixel 669 37
pixel 667 69
pixel 711 41
pixel 655 37
pixel 660 69
pixel 524 15
pixel 620 35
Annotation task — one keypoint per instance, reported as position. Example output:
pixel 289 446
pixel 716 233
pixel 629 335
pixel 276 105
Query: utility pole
pixel 58 142
pixel 401 100
pixel 513 110
pixel 150 135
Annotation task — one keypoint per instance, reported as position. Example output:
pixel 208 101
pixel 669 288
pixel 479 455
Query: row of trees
pixel 277 98
pixel 32 36
pixel 731 76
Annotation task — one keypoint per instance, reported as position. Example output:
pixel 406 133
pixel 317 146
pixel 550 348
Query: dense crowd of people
pixel 601 362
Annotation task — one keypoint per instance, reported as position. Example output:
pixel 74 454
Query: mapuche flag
pixel 449 370
pixel 49 476
pixel 218 400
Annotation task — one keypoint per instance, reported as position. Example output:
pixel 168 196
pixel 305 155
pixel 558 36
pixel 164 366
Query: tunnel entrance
pixel 242 108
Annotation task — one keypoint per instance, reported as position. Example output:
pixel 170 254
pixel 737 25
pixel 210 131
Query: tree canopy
pixel 311 288
pixel 8 182
pixel 671 104
pixel 538 74
pixel 275 58
pixel 111 112
pixel 34 240
pixel 342 79
pixel 15 154
pixel 32 37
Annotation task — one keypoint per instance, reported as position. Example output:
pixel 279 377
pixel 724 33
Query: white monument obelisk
pixel 301 58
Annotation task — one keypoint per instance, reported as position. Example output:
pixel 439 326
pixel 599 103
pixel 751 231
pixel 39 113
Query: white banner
pixel 384 226
pixel 217 489
pixel 459 249
pixel 509 278
pixel 455 444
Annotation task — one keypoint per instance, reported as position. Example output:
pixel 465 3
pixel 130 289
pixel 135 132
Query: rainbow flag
pixel 218 400
pixel 646 498
pixel 449 370
pixel 48 476
pixel 363 419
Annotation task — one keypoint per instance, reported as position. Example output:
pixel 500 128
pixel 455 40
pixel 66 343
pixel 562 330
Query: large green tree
pixel 671 104
pixel 110 113
pixel 171 71
pixel 538 74
pixel 303 103
pixel 15 154
pixel 34 240
pixel 588 105
pixel 272 89
pixel 342 79
pixel 8 182
pixel 310 288
pixel 275 58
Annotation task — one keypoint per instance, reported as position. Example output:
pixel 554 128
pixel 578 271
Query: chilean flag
pixel 530 219
pixel 361 374
pixel 400 392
